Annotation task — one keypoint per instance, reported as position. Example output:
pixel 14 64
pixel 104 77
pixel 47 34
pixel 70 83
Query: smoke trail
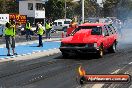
pixel 124 12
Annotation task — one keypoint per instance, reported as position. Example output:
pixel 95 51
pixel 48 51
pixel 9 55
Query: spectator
pixel 48 28
pixel 10 37
pixel 40 33
pixel 28 28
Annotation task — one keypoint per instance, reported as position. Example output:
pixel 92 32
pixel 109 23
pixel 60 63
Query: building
pixel 4 18
pixel 34 9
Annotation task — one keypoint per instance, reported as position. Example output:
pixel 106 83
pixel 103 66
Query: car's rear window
pixel 96 30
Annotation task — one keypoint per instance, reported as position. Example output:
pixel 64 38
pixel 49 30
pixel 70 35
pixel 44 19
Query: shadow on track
pixel 79 57
pixel 85 56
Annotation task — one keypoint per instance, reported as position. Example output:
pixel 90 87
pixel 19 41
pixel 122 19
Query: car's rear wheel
pixel 100 53
pixel 113 49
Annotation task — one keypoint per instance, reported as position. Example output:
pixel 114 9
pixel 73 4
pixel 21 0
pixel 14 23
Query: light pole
pixel 65 9
pixel 83 11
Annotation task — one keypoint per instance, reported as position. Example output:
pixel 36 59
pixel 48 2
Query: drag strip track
pixel 8 73
pixel 57 72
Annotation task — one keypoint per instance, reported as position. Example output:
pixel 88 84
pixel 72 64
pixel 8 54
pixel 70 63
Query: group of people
pixel 10 32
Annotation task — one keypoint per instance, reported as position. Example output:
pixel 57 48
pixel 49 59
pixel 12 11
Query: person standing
pixel 72 26
pixel 40 33
pixel 48 28
pixel 10 37
pixel 28 27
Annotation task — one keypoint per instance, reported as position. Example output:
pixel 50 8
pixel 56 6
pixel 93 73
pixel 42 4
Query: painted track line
pixel 130 63
pixel 34 52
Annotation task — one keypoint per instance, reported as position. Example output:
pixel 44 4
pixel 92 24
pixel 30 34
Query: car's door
pixel 106 39
pixel 111 35
pixel 114 32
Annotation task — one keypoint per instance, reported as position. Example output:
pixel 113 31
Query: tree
pixel 9 6
pixel 12 6
pixel 117 8
pixel 56 9
pixel 3 6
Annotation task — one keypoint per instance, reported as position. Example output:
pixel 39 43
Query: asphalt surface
pixel 54 71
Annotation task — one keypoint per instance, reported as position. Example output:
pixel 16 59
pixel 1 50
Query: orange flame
pixel 81 71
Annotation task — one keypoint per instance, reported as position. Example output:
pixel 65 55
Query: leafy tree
pixel 117 8
pixel 2 6
pixel 9 6
pixel 12 7
pixel 56 9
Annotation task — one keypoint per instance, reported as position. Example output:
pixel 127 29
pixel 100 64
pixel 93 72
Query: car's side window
pixel 113 29
pixel 105 31
pixel 109 30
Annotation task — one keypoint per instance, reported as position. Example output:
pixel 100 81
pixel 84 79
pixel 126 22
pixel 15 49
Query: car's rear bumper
pixel 79 49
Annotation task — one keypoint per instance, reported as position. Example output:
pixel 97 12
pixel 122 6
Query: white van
pixel 60 24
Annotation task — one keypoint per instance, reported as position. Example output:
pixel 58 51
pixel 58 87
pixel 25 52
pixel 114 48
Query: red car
pixel 90 38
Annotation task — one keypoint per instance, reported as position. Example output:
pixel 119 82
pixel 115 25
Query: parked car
pixel 61 24
pixel 90 38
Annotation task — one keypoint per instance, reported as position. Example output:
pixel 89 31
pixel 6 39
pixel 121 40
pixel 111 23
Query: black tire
pixel 65 55
pixel 112 49
pixel 100 53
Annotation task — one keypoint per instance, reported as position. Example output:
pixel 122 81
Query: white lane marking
pixel 100 85
pixel 130 63
pixel 126 72
pixel 33 52
pixel 23 54
pixel 116 71
pixel 130 86
pixel 28 53
pixel 7 57
pixel 13 56
pixel 97 86
pixel 48 53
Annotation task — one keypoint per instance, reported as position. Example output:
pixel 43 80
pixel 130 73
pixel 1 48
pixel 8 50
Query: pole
pixel 65 9
pixel 83 11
